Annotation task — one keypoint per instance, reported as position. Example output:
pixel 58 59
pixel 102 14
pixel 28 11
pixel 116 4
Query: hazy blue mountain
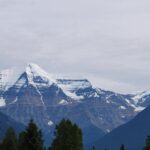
pixel 132 134
pixel 6 122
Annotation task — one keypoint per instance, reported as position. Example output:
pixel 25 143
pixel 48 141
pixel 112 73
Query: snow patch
pixel 73 84
pixel 140 96
pixel 50 123
pixel 129 103
pixel 70 86
pixel 109 96
pixel 122 107
pixel 13 102
pixel 136 107
pixel 2 102
pixel 108 102
pixel 139 109
pixel 63 102
pixel 73 95
pixel 96 95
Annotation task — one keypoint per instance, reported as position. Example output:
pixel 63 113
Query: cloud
pixel 108 40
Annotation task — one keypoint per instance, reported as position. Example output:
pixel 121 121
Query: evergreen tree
pixel 10 140
pixel 0 145
pixel 122 147
pixel 147 144
pixel 21 141
pixel 31 139
pixel 68 136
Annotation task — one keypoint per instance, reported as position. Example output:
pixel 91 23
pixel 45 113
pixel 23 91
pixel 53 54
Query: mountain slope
pixel 132 134
pixel 6 122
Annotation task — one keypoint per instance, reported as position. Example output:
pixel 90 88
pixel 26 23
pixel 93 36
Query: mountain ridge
pixel 36 94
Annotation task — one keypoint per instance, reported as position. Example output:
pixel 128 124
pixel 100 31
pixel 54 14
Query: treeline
pixel 122 147
pixel 67 136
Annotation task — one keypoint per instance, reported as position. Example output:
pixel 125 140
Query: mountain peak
pixel 33 70
pixel 35 75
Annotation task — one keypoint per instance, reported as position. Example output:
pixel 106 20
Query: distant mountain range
pixel 35 94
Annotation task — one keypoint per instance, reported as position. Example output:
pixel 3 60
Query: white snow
pixel 2 102
pixel 34 71
pixel 97 92
pixel 130 104
pixel 109 96
pixel 13 102
pixel 70 86
pixel 140 96
pixel 41 96
pixel 73 95
pixel 73 84
pixel 139 109
pixel 50 123
pixel 108 102
pixel 63 102
pixel 11 76
pixel 122 107
pixel 136 107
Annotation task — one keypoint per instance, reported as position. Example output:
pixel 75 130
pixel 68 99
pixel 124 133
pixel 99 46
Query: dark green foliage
pixel 68 136
pixel 31 139
pixel 10 141
pixel 21 141
pixel 122 147
pixel 147 144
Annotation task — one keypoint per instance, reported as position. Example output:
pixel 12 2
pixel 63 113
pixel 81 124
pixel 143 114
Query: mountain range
pixel 36 94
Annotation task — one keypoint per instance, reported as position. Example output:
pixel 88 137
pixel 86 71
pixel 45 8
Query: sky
pixel 106 41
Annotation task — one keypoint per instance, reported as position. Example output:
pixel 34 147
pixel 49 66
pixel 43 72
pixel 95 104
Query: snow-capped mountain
pixel 36 94
pixel 79 89
pixel 35 81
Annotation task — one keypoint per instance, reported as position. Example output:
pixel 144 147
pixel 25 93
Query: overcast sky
pixel 107 41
